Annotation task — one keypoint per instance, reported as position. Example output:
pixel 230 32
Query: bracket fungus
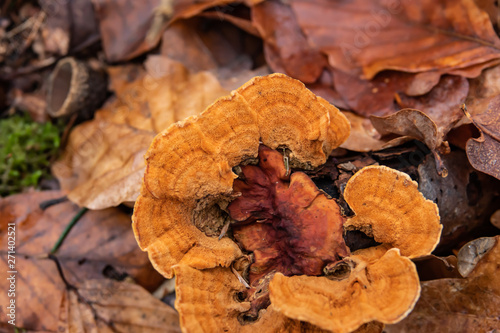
pixel 255 246
pixel 189 175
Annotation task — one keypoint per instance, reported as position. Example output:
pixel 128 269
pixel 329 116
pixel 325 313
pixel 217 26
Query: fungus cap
pixel 207 301
pixel 389 207
pixel 384 289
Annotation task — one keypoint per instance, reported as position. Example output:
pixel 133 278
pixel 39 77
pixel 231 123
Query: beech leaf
pixel 456 304
pixel 100 241
pixel 367 38
pixel 112 306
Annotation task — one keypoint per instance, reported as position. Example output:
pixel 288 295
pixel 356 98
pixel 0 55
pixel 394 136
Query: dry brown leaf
pixel 101 241
pixel 432 267
pixel 373 97
pixel 464 197
pixel 8 328
pixel 188 8
pixel 102 165
pixel 482 88
pixel 182 42
pixel 56 30
pixel 459 305
pixel 285 47
pixel 471 254
pixel 325 88
pixel 367 38
pixel 220 37
pixel 111 306
pixel 495 219
pixel 422 83
pixel 69 26
pixel 124 25
pixel 378 97
pixel 364 137
pixel 409 122
pixel 442 103
pixel 417 125
pixel 484 151
pixel 483 154
pixel 490 7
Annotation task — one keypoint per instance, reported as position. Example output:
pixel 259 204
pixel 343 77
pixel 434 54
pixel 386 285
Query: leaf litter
pixel 430 113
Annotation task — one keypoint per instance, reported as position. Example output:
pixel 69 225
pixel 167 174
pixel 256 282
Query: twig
pixel 47 203
pixel 224 229
pixel 6 76
pixel 240 278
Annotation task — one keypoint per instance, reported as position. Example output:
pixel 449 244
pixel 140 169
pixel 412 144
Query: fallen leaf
pixel 56 30
pixel 124 25
pixel 495 219
pixel 386 94
pixel 218 37
pixel 442 103
pixel 285 47
pixel 8 328
pixel 422 83
pixel 472 252
pixel 416 125
pixel 367 38
pixel 459 305
pixel 188 8
pixel 364 137
pixel 432 267
pixel 110 306
pixel 69 26
pixel 208 43
pixel 100 241
pixel 374 97
pixel 483 152
pixel 483 87
pixel 464 197
pixel 325 88
pixel 490 7
pixel 102 165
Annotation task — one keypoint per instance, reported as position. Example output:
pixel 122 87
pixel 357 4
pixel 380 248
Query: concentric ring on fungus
pixel 231 166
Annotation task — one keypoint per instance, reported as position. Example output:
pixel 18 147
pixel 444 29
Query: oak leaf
pixel 110 306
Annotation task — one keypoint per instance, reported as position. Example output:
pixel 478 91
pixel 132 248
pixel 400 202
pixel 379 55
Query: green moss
pixel 26 148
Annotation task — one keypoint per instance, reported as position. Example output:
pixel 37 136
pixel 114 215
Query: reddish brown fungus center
pixel 285 221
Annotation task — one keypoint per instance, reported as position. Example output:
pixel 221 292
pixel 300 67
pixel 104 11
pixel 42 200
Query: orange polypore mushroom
pixel 189 175
pixel 384 289
pixel 284 260
pixel 390 209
